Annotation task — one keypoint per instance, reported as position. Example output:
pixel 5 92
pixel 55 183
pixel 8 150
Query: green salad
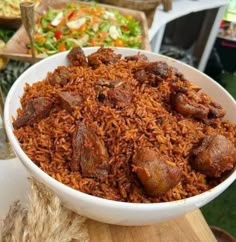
pixel 83 25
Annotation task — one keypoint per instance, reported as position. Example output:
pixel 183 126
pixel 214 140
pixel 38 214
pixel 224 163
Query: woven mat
pixel 44 219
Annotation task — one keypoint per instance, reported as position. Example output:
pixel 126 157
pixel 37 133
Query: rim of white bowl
pixel 97 200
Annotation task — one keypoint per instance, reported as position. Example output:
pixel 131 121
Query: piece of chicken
pixel 35 110
pixel 215 155
pixel 156 175
pixel 188 107
pixel 188 103
pixel 215 110
pixel 89 153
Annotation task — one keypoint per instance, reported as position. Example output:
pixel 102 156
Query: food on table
pixel 77 57
pixel 152 73
pixel 103 56
pixel 215 155
pixel 11 8
pixel 189 103
pixel 155 174
pixel 35 110
pixel 89 153
pixel 79 24
pixel 60 76
pixel 106 129
pixel 68 100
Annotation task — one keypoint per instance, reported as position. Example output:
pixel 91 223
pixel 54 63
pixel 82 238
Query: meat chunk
pixel 60 76
pixel 158 68
pixel 215 110
pixel 188 103
pixel 89 153
pixel 120 96
pixel 35 110
pixel 188 107
pixel 104 56
pixel 115 92
pixel 138 57
pixel 145 77
pixel 69 100
pixel 156 175
pixel 152 73
pixel 109 83
pixel 77 57
pixel 215 155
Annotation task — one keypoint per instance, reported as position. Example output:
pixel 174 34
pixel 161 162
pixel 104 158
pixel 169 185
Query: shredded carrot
pixel 119 43
pixel 62 47
pixel 39 38
pixel 82 28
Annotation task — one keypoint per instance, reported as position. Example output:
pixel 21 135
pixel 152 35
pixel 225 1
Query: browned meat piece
pixel 109 83
pixel 138 57
pixel 145 77
pixel 184 105
pixel 215 155
pixel 215 110
pixel 152 73
pixel 189 103
pixel 116 92
pixel 104 56
pixel 60 76
pixel 156 175
pixel 158 68
pixel 89 153
pixel 77 57
pixel 69 100
pixel 119 96
pixel 174 88
pixel 34 110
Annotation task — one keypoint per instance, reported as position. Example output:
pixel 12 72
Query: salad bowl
pixel 16 48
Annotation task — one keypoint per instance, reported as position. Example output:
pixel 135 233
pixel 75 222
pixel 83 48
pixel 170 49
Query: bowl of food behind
pixel 137 209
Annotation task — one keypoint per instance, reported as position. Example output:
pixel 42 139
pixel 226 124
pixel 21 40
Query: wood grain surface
pixel 191 227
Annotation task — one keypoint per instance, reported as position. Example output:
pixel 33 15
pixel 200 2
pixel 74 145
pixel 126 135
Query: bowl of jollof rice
pixel 123 136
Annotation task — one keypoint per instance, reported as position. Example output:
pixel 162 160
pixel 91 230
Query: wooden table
pixel 190 228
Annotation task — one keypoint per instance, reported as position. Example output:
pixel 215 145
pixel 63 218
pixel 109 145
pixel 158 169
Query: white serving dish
pixel 103 210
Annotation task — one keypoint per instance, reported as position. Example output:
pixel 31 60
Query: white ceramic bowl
pixel 101 209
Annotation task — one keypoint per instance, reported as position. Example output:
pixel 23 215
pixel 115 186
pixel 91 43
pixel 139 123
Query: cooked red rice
pixel 48 142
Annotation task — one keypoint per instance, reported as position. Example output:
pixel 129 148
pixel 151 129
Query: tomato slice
pixel 124 27
pixel 58 34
